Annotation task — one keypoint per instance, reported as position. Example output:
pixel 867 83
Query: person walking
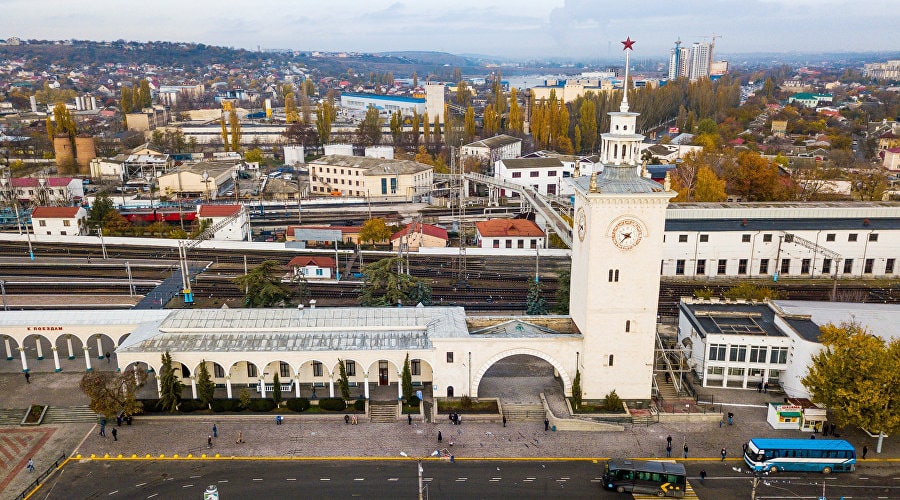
pixel 27 378
pixel 865 451
pixel 440 437
pixel 209 441
pixel 115 434
pixel 723 454
pixel 504 420
pixel 759 387
pixel 685 450
pixel 30 465
pixel 730 418
pixel 215 431
pixel 702 475
pixel 103 428
pixel 546 424
pixel 669 440
pixel 240 438
pixel 107 357
pixel 668 451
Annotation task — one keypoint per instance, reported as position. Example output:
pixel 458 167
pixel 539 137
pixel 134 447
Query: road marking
pixel 153 495
pixel 564 477
pixel 461 479
pixel 194 477
pixel 596 480
pixel 291 479
pixel 359 479
pixel 393 479
pixel 139 485
pixel 864 478
pixel 113 492
pixel 560 480
pixel 428 479
pixel 188 486
pixel 257 479
pixel 223 480
pixel 324 479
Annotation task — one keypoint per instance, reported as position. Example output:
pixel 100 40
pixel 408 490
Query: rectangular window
pixel 704 238
pixel 774 375
pixel 415 367
pixel 785 266
pixel 804 266
pixel 218 371
pixel 742 266
pixel 826 266
pixel 521 244
pixel 722 267
pixel 763 266
pixel 717 352
pixel 317 369
pixel 682 238
pixel 449 357
pixel 851 237
pixel 889 266
pixel 745 238
pixel 319 272
pixel 716 370
pixel 737 353
pixel 383 186
pixel 829 237
pixel 873 236
pixel 42 223
pixel 496 243
pixel 284 370
pixel 551 173
pixel 701 267
pixel 508 243
pixel 735 372
pixel 251 370
pixel 533 243
pixel 758 354
pixel 867 268
pixel 517 175
pixel 767 238
pixel 779 355
pixel 350 367
pixel 679 267
pixel 534 174
pixel 848 266
pixel 551 189
pixel 394 185
pixel 67 223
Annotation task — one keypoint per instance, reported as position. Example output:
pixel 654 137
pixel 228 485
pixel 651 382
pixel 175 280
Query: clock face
pixel 627 233
pixel 580 224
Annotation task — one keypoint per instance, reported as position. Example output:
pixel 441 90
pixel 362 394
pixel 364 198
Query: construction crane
pixel 712 45
pixel 185 245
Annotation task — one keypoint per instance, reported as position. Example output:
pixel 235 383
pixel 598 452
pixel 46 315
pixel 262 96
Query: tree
pixel 516 123
pixel 100 210
pixel 437 130
pixel 206 389
pixel 709 187
pixel 385 285
pixel 325 116
pixel 264 287
pixel 576 389
pixel 396 126
pixel 170 386
pixel 374 230
pixel 426 128
pixel 535 304
pixel 406 379
pixel 343 381
pixel 369 130
pixel 469 124
pixel 126 103
pixel 255 155
pixel 224 133
pixel 491 121
pixel 463 94
pixel 562 291
pixel 855 376
pixel 235 131
pixel 292 115
pixel 113 393
pixel 749 291
pixel 276 389
pixel 146 99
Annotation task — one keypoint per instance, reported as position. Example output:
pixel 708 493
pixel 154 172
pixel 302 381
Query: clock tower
pixel 616 254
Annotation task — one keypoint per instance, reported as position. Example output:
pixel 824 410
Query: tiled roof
pixel 54 212
pixel 508 227
pixel 218 210
pixel 416 227
pixel 33 181
pixel 306 260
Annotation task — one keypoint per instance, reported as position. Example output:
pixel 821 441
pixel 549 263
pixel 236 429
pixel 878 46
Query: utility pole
pixel 419 465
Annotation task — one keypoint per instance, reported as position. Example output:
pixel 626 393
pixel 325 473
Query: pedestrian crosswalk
pixel 688 493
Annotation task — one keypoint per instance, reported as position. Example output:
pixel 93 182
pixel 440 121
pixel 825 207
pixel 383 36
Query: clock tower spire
pixel 614 291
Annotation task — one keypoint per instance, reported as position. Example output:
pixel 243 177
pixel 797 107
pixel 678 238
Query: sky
pixel 515 29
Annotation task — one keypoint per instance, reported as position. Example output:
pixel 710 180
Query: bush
pixel 413 401
pixel 466 402
pixel 332 404
pixel 359 405
pixel 298 404
pixel 220 405
pixel 191 405
pixel 150 405
pixel 613 402
pixel 261 405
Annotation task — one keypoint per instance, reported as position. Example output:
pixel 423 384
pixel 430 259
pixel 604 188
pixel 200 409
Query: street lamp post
pixel 206 184
pixel 149 178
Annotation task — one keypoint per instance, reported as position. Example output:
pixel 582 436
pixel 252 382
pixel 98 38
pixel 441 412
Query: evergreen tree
pixel 264 286
pixel 535 305
pixel 406 379
pixel 437 130
pixel 206 389
pixel 146 96
pixel 343 381
pixel 126 103
pixel 416 128
pixel 170 385
pixel 276 389
pixel 576 390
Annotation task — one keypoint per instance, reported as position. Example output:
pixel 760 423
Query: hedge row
pixel 256 405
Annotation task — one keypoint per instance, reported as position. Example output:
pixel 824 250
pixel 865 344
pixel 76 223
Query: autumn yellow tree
pixel 235 130
pixel 291 114
pixel 709 186
pixel 516 122
pixel 469 124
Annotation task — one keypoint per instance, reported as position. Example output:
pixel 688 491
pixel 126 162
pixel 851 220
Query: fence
pixel 40 478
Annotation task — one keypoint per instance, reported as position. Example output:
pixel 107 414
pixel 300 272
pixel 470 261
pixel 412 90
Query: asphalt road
pixel 263 478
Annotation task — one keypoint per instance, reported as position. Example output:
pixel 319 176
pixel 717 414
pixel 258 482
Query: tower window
pixel 704 238
pixel 613 275
pixel 611 359
pixel 627 326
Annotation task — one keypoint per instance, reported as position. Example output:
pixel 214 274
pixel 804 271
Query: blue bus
pixel 800 455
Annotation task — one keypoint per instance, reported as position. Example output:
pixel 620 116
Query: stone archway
pixel 520 375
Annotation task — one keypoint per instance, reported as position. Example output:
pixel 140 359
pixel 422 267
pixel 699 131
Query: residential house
pixel 48 190
pixel 374 178
pixel 312 268
pixel 59 221
pixel 489 151
pixel 810 100
pixel 417 235
pixel 509 233
pixel 892 160
pixel 202 180
pixel 231 222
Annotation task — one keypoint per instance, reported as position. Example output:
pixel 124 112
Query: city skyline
pixel 522 29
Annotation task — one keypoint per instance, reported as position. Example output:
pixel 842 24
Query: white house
pixel 545 171
pixel 234 221
pixel 489 150
pixel 62 190
pixel 509 233
pixel 62 221
pixel 312 267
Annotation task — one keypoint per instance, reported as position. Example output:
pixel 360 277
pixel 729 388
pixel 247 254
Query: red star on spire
pixel 628 44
